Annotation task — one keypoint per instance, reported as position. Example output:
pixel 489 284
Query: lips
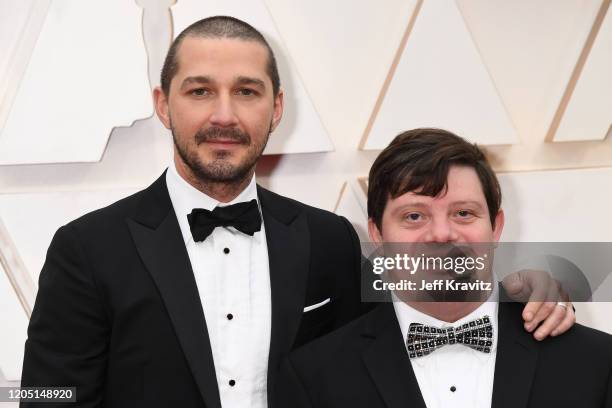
pixel 223 142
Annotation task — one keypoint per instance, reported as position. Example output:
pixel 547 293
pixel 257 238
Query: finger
pixel 530 311
pixel 551 322
pixel 568 321
pixel 539 286
pixel 546 307
pixel 515 288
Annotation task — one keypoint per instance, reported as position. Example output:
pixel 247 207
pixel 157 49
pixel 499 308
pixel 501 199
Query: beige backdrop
pixel 528 79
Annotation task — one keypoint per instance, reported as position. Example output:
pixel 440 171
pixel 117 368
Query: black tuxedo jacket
pixel 118 313
pixel 365 364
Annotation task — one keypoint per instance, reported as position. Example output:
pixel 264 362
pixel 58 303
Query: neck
pixel 222 191
pixel 448 312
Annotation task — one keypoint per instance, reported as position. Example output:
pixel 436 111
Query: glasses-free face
pixel 434 228
pixel 458 215
pixel 221 107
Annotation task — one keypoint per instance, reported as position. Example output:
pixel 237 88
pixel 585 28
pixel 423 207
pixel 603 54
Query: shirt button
pixel 453 388
pixel 232 383
pixel 226 250
pixel 230 316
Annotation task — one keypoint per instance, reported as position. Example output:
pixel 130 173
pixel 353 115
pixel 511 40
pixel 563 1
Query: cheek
pixel 187 119
pixel 393 232
pixel 256 120
pixel 480 232
pixel 406 236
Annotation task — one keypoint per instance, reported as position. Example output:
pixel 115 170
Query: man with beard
pixel 431 191
pixel 189 292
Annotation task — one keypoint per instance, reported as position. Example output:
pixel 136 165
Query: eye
pixel 246 92
pixel 199 92
pixel 414 217
pixel 465 214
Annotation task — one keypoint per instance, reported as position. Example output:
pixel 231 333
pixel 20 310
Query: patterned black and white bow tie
pixel 244 217
pixel 423 340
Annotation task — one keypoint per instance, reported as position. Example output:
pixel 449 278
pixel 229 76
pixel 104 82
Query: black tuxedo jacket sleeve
pixel 365 364
pixel 118 313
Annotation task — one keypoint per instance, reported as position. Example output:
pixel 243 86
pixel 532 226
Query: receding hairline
pixel 219 27
pixel 240 78
pixel 195 36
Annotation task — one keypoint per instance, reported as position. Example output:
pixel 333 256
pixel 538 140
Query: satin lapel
pixel 288 241
pixel 516 360
pixel 388 363
pixel 158 239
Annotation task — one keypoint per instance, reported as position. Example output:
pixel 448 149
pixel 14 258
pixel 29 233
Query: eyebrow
pixel 415 204
pixel 200 79
pixel 467 202
pixel 203 80
pixel 419 205
pixel 243 80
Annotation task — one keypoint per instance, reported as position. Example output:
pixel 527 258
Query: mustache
pixel 216 133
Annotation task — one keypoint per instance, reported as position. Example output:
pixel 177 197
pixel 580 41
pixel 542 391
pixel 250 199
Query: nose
pixel 223 114
pixel 441 231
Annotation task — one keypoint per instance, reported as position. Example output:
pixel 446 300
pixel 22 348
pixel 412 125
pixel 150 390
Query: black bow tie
pixel 242 216
pixel 476 334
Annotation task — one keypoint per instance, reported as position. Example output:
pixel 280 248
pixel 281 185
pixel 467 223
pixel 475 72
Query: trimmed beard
pixel 219 170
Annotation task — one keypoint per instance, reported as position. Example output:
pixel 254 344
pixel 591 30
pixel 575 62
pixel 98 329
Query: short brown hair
pixel 218 27
pixel 420 159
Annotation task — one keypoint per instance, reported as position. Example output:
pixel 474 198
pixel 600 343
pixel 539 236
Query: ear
pixel 374 232
pixel 499 225
pixel 279 105
pixel 161 106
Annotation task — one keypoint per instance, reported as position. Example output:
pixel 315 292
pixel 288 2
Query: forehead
pixel 463 185
pixel 221 56
pixel 464 181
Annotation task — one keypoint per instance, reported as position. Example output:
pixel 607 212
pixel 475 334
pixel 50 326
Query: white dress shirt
pixel 233 278
pixel 454 375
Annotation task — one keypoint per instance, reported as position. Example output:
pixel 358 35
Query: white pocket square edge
pixel 317 305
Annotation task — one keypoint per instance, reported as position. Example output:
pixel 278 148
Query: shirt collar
pixel 407 314
pixel 186 197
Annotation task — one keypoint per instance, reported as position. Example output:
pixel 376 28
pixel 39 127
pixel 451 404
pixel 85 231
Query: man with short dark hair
pixel 191 291
pixel 431 189
pixel 188 293
pixel 218 27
